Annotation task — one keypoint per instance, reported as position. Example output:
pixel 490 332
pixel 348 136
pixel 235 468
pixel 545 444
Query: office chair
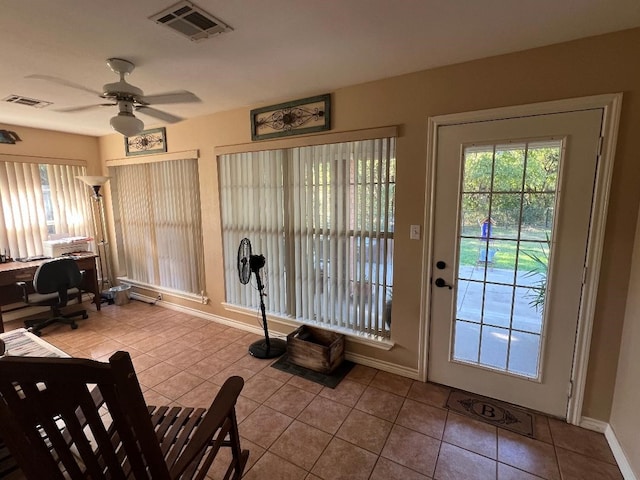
pixel 54 282
pixel 76 418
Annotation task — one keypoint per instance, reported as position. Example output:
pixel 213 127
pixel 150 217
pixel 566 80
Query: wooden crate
pixel 315 349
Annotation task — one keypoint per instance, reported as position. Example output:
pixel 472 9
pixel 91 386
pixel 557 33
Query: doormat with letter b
pixel 493 412
pixel 330 380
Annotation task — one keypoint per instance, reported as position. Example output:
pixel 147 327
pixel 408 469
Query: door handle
pixel 440 283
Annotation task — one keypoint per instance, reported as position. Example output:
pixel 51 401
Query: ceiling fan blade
pixel 165 98
pixel 66 83
pixel 85 107
pixel 159 114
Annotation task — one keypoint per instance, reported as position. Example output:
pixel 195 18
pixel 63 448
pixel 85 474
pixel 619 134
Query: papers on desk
pixel 20 343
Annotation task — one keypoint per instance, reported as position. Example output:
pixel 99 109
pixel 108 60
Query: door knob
pixel 440 283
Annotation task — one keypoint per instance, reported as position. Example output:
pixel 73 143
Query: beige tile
pixel 541 428
pixel 455 463
pixel 260 387
pixel 347 392
pixel 304 384
pixel 365 431
pixel 232 352
pixel 244 407
pixel 157 374
pixel 423 418
pixel 105 348
pixel 324 414
pixel 186 358
pixel 152 342
pixel 232 370
pixel 381 404
pixel 201 396
pixel 430 393
pixel 208 367
pixel 507 472
pixel 151 397
pixel 362 374
pixel 178 385
pixel 412 449
pixel 264 425
pixel 471 434
pixel 142 362
pixel 223 459
pixel 252 363
pixel 271 372
pixel 171 348
pixel 575 466
pixel 273 467
pixel 342 460
pixel 301 444
pixel 581 440
pixel 289 400
pixel 530 455
pixel 388 470
pixel 390 382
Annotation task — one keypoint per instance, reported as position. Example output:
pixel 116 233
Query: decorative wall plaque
pixel 146 142
pixel 292 118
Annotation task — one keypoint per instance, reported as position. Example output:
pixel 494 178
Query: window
pixel 37 200
pixel 158 223
pixel 323 217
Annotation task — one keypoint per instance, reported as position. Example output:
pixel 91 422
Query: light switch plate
pixel 414 232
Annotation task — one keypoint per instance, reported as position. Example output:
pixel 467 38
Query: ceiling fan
pixel 127 97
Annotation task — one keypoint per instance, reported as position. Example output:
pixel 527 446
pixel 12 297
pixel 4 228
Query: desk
pixel 13 272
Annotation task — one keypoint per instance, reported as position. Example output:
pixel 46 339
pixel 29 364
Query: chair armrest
pixel 218 412
pixel 25 290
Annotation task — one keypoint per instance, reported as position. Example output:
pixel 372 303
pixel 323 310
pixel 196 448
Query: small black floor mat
pixel 330 380
pixel 492 411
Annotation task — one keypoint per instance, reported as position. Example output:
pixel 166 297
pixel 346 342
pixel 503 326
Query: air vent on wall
pixel 30 102
pixel 190 21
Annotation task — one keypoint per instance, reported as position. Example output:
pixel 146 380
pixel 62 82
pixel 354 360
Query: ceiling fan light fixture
pixel 126 124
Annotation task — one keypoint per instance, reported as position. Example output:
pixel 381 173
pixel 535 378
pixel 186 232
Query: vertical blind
pixel 323 217
pixel 37 200
pixel 159 223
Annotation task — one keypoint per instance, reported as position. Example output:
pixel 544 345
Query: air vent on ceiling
pixel 191 21
pixel 30 102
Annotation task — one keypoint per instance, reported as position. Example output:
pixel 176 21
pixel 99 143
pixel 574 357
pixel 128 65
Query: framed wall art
pixel 146 142
pixel 307 115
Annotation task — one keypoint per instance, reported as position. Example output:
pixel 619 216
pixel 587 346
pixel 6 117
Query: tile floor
pixel 374 425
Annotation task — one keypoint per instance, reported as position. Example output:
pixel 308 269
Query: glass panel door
pixel 507 203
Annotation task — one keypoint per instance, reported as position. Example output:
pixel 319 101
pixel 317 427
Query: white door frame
pixel 611 103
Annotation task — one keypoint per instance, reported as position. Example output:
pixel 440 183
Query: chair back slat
pixel 77 439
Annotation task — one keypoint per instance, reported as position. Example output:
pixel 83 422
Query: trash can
pixel 120 294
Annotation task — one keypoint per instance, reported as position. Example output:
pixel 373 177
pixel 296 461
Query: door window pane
pixel 507 212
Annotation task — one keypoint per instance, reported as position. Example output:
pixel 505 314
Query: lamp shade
pixel 93 180
pixel 126 124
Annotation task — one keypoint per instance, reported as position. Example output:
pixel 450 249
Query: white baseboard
pixel 354 357
pixel 618 453
pixel 593 424
pixel 612 440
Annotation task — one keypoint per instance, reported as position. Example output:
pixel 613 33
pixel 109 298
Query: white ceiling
pixel 278 50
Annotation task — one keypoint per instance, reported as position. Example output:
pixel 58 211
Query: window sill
pixel 372 341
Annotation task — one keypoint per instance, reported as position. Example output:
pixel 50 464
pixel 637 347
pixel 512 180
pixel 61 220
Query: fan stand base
pixel 259 349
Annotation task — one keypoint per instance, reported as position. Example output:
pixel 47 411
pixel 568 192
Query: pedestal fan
pixel 248 263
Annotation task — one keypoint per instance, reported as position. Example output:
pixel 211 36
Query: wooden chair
pixel 77 418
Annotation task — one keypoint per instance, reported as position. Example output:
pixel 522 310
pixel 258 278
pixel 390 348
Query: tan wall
pixel 597 65
pixel 50 144
pixel 625 420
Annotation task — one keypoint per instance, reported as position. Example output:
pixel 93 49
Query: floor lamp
pixel 100 226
